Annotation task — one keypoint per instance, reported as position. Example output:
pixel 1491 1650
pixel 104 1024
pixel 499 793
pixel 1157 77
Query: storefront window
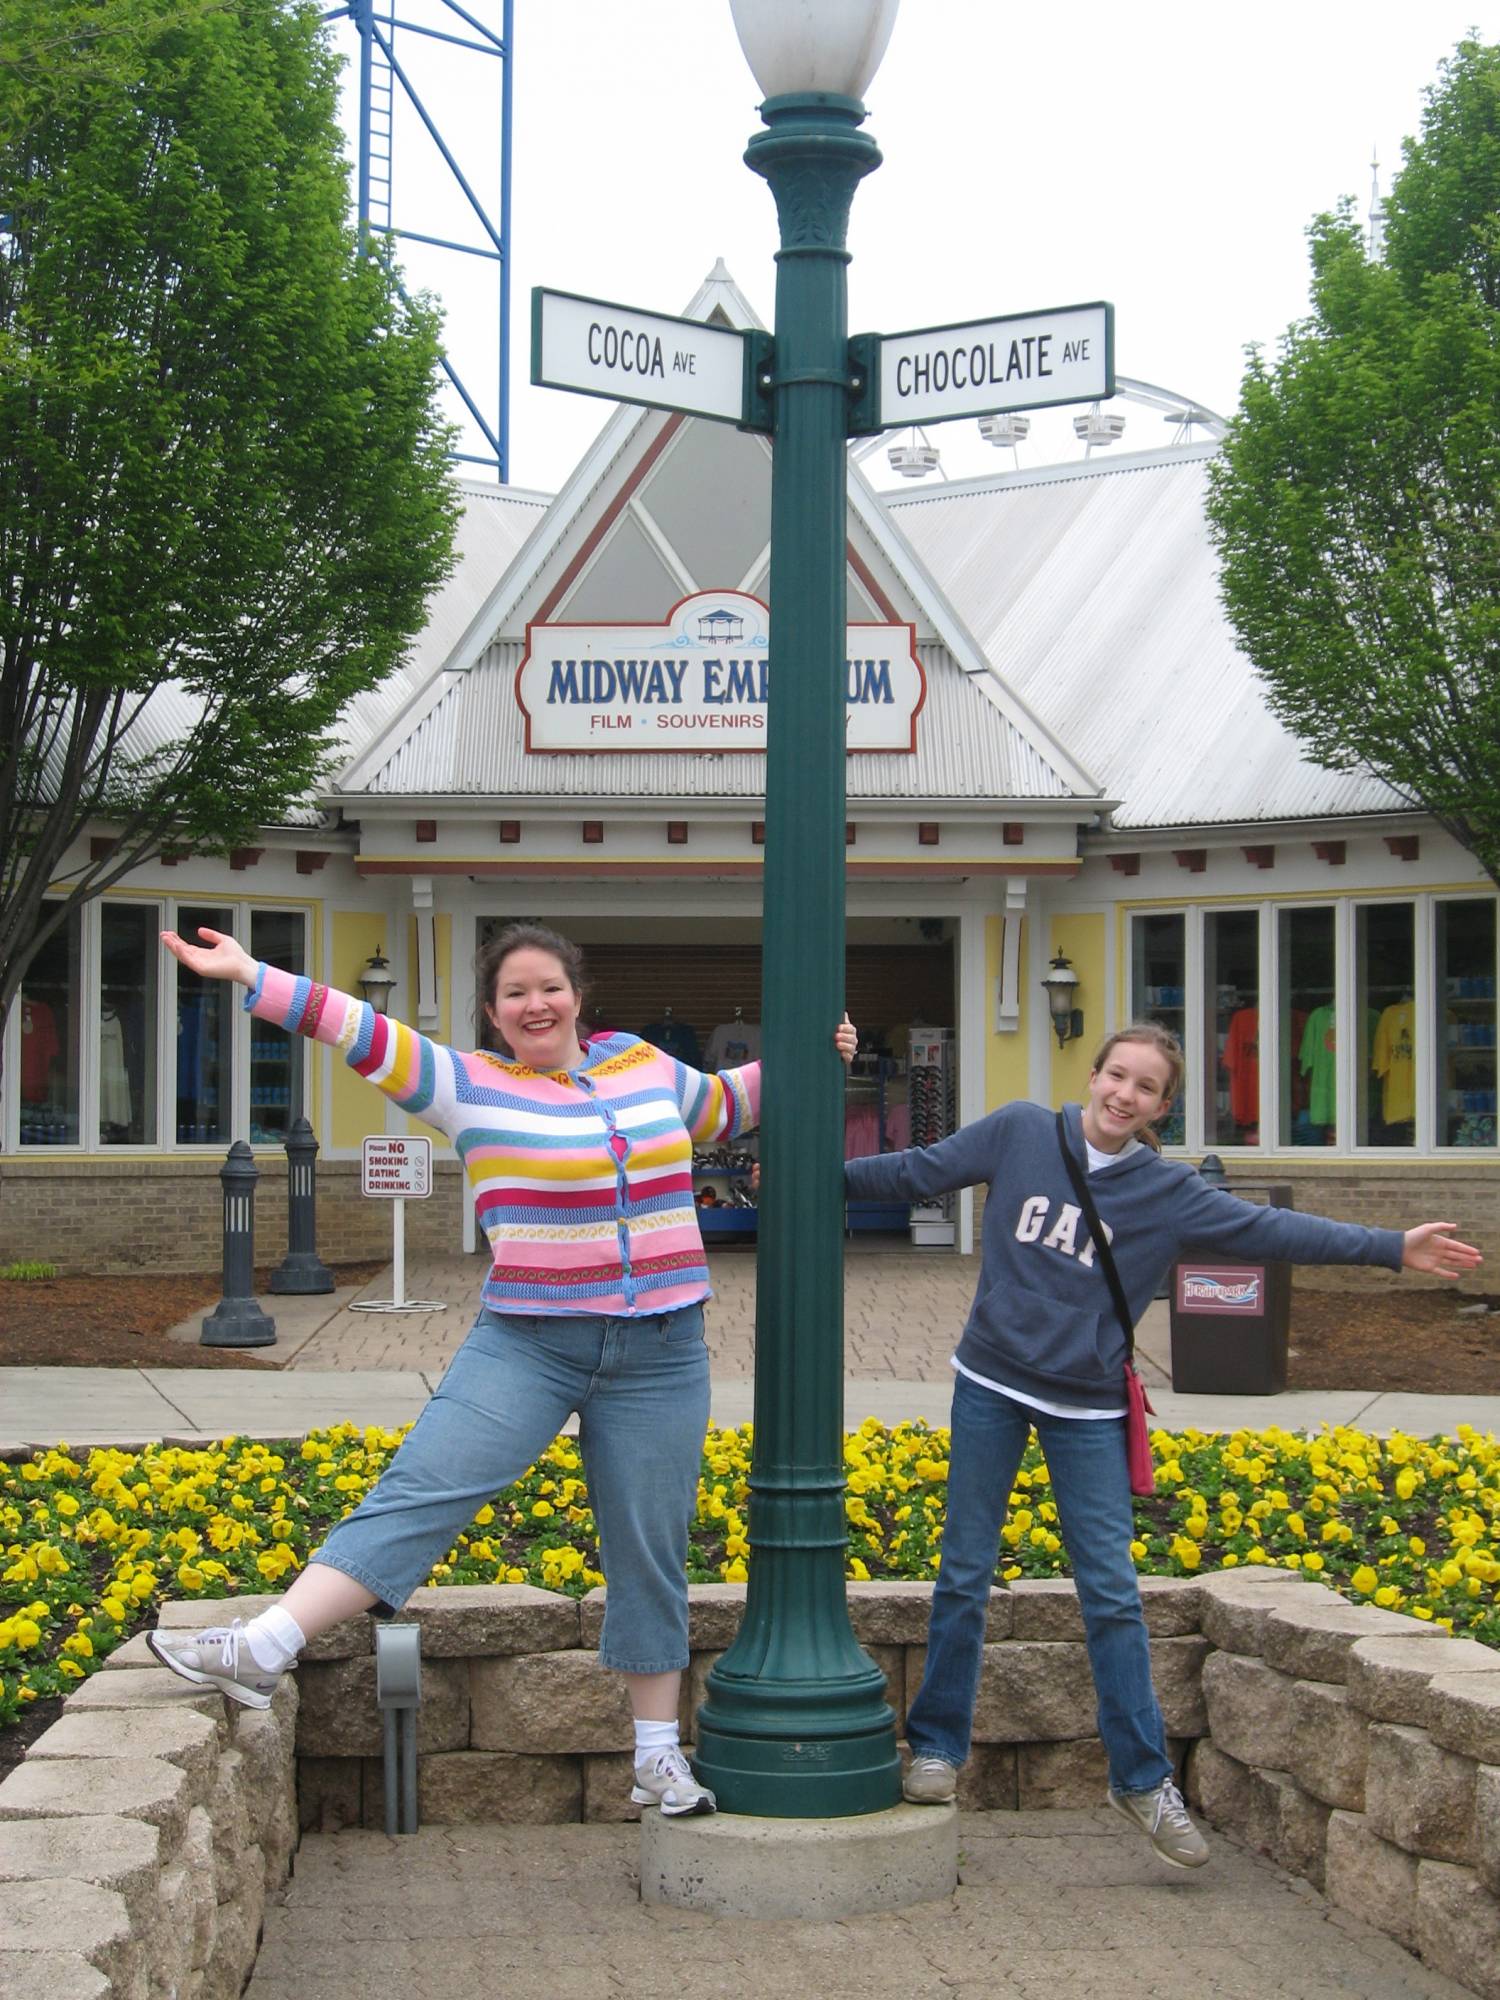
pixel 279 937
pixel 1158 991
pixel 1231 970
pixel 51 1011
pixel 129 978
pixel 1307 1059
pixel 1465 1014
pixel 1386 1017
pixel 204 1019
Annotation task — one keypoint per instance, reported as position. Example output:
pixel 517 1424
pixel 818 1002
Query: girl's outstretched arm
pixel 1433 1247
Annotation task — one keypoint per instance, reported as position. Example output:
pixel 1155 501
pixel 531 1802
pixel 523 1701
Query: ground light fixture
pixel 377 980
pixel 795 1723
pixel 1061 988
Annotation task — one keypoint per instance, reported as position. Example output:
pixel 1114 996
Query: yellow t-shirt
pixel 1392 1059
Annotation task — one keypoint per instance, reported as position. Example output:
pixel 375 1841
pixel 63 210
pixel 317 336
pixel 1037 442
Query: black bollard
pixel 301 1270
pixel 237 1320
pixel 1211 1169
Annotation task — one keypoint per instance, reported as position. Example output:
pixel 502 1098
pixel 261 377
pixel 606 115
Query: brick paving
pixel 1050 1906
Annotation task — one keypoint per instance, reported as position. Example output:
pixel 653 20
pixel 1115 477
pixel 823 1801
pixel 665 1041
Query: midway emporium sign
pixel 700 681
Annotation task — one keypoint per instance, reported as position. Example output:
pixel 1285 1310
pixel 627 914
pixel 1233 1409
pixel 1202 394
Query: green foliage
pixel 1354 504
pixel 224 498
pixel 25 1268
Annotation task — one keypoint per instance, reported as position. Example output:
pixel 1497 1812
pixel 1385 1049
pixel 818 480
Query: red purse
pixel 1138 1459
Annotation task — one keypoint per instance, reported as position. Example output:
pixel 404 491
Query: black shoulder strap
pixel 1096 1233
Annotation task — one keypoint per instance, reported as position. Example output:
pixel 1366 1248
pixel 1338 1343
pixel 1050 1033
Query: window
pixel 1158 992
pixel 205 1020
pixel 129 979
pixel 276 1058
pixel 1464 960
pixel 1231 972
pixel 1385 1070
pixel 1307 1058
pixel 51 1004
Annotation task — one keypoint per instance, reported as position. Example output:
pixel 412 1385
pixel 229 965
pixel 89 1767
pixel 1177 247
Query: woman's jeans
pixel 1091 1486
pixel 640 1387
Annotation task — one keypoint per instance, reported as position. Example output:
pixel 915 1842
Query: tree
pixel 224 497
pixel 1356 503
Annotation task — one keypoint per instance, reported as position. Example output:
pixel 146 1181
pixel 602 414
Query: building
pixel 1055 748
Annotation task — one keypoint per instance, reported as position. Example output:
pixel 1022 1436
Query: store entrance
pixel 693 987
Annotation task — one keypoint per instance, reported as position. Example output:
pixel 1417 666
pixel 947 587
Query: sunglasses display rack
pixel 933 1083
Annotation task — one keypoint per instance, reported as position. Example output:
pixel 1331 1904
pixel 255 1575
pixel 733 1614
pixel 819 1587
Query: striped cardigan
pixel 582 1179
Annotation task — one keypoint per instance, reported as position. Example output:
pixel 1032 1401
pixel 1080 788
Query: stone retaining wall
pixel 1356 1747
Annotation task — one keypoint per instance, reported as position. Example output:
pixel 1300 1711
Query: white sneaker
pixel 1163 1818
pixel 665 1778
pixel 218 1657
pixel 929 1781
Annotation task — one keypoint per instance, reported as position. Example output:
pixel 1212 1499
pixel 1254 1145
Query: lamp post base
pixel 734 1865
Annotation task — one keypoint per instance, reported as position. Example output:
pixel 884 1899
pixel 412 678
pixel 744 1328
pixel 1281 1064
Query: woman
pixel 579 1157
pixel 1043 1348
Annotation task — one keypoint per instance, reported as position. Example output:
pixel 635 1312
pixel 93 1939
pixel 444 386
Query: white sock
pixel 651 1737
pixel 275 1639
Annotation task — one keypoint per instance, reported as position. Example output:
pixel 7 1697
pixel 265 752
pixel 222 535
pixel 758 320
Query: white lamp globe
pixel 824 45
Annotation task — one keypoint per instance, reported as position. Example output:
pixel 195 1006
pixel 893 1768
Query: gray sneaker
pixel 1163 1818
pixel 929 1781
pixel 217 1657
pixel 665 1778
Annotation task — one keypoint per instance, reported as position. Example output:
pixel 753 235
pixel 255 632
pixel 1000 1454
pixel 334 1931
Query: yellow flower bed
pixel 93 1541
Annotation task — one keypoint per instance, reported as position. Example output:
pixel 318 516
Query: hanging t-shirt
pixel 39 1050
pixel 1242 1060
pixel 1317 1058
pixel 114 1078
pixel 731 1044
pixel 675 1039
pixel 1391 1058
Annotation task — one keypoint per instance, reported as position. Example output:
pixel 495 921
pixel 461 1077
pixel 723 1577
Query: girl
pixel 1043 1348
pixel 579 1156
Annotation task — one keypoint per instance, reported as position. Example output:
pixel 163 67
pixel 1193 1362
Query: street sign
pixel 1026 361
pixel 399 1168
pixel 637 357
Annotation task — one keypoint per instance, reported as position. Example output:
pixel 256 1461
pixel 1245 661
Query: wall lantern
pixel 1061 989
pixel 376 981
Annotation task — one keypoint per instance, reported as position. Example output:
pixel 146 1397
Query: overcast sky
pixel 1165 156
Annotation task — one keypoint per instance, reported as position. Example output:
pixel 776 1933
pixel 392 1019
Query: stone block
pixel 149 1688
pixel 715 1613
pixel 340 1642
pixel 1458 1927
pixel 236 1940
pixel 1171 1604
pixel 1419 1796
pixel 329 1793
pixel 1330 1744
pixel 1387 1677
pixel 463 1787
pixel 1052 1776
pixel 987 1782
pixel 130 1653
pixel 232 1841
pixel 1371 1878
pixel 118 1854
pixel 1487 1826
pixel 80 1788
pixel 52 1975
pixel 1249 1709
pixel 535 1703
pixel 1033 1691
pixel 1177 1675
pixel 167 1946
pixel 337 1715
pixel 1310 1638
pixel 266 1742
pixel 179 1737
pixel 607 1779
pixel 695 1691
pixel 1233 1605
pixel 895 1611
pixel 1289 1824
pixel 1045 1608
pixel 62 1915
pixel 192 1911
pixel 1463 1713
pixel 1219 1785
pixel 470 1621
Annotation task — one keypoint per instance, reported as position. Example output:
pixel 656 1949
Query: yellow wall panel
pixel 357 1107
pixel 1006 1072
pixel 1082 938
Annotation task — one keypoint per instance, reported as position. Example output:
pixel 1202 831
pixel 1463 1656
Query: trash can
pixel 1230 1316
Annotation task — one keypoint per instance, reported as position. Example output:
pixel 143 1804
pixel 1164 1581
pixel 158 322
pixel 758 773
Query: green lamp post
pixel 796 1724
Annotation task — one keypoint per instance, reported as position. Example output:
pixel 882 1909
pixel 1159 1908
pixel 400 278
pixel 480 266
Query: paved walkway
pixel 1050 1906
pixel 903 1309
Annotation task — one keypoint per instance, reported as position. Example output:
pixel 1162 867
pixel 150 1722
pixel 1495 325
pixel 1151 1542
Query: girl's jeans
pixel 1090 1484
pixel 640 1387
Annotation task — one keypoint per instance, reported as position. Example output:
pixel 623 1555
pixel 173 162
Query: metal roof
pixel 471 743
pixel 1092 590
